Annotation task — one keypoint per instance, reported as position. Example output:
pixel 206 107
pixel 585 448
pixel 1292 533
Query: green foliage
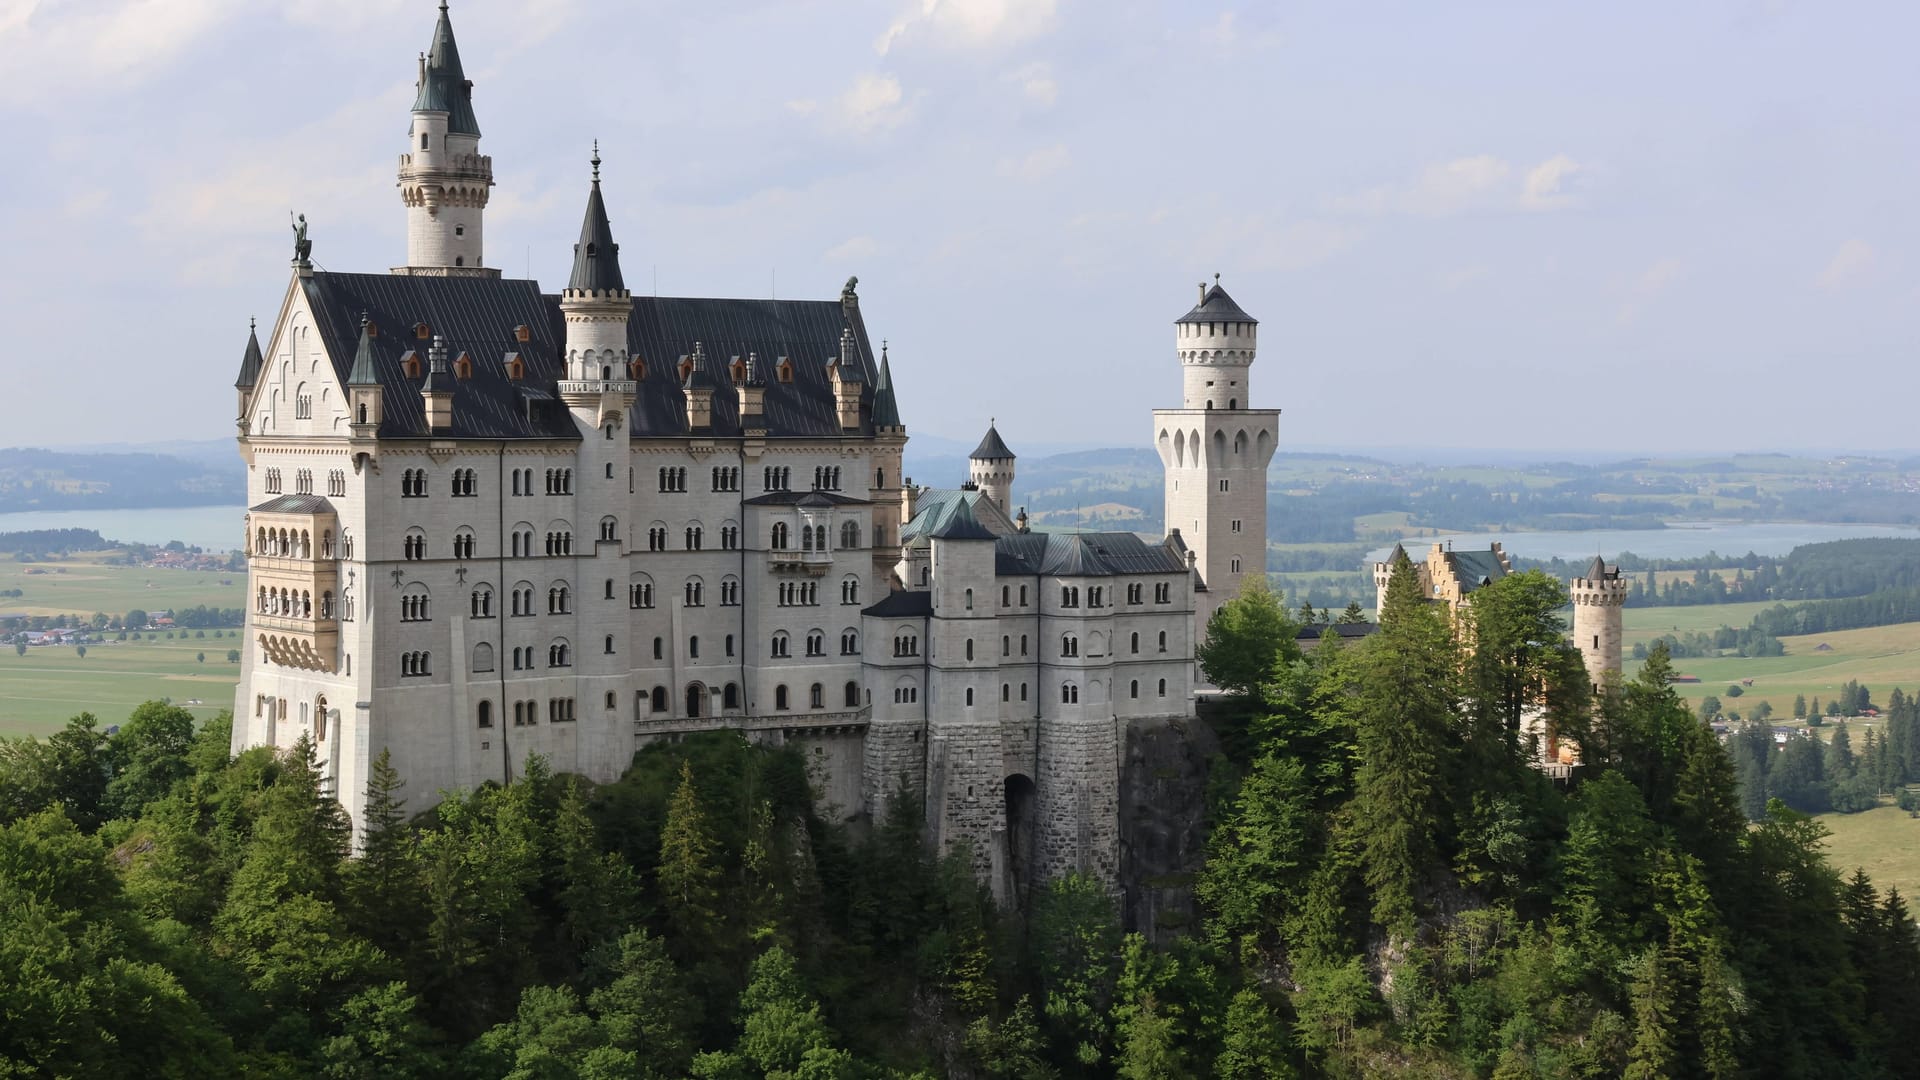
pixel 1247 638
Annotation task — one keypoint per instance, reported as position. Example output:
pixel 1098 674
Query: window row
pixel 817 696
pixel 673 478
pixel 781 647
pixel 694 538
pixel 291 603
pixel 296 543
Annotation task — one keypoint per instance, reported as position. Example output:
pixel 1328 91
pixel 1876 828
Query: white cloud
pixel 875 103
pixel 856 247
pixel 57 49
pixel 1038 165
pixel 1450 187
pixel 1037 84
pixel 971 23
pixel 1851 265
pixel 1648 284
pixel 1548 182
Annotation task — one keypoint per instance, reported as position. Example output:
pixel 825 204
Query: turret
pixel 444 179
pixel 364 395
pixel 1383 575
pixel 990 468
pixel 250 364
pixel 1598 599
pixel 843 372
pixel 698 387
pixel 597 305
pixel 1216 342
pixel 437 392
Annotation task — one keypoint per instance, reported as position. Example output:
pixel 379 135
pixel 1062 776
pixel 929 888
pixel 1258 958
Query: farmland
pixel 1884 842
pixel 1880 658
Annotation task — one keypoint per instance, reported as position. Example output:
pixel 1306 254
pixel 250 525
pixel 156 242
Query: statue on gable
pixel 302 247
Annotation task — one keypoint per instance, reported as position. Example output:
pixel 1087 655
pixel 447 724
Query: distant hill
pixel 36 479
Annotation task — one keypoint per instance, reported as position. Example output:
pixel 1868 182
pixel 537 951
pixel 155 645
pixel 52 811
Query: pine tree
pixel 1254 1045
pixel 1840 762
pixel 1799 706
pixel 687 874
pixel 384 884
pixel 598 893
pixel 1353 613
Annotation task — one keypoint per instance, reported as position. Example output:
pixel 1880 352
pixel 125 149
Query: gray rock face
pixel 1163 835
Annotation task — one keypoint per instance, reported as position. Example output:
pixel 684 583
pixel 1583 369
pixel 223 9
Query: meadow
pixel 41 690
pixel 1884 842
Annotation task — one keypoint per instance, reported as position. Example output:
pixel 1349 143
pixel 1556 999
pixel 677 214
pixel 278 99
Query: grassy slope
pixel 1884 842
pixel 80 586
pixel 1880 657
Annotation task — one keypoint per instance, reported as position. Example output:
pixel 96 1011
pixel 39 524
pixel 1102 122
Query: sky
pixel 1629 227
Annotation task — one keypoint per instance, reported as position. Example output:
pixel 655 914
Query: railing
pixel 598 386
pixel 814 562
pixel 294 624
pixel 804 720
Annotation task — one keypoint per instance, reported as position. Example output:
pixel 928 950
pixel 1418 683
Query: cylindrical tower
pixel 990 468
pixel 444 179
pixel 1598 599
pixel 1216 342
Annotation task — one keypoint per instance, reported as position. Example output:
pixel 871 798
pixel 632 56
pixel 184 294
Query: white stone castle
pixel 489 522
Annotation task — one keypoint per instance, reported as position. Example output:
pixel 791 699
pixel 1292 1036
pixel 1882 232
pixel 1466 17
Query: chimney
pixel 753 393
pixel 699 390
pixel 844 373
pixel 437 391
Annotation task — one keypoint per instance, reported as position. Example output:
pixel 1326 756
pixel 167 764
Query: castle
pixel 488 522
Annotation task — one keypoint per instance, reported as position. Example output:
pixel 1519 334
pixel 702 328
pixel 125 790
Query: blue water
pixel 215 528
pixel 1679 541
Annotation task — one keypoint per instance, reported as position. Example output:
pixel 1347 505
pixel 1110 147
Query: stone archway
pixel 1019 793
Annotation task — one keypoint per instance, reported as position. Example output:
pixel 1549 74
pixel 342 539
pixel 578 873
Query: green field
pixel 1884 842
pixel 41 690
pixel 1879 657
pixel 81 586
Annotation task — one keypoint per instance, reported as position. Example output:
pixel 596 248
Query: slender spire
pixel 251 361
pixel 596 258
pixel 364 373
pixel 886 411
pixel 444 86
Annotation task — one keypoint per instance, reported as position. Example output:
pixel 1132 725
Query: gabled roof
pixel 250 361
pixel 445 87
pixel 1216 306
pixel 478 316
pixel 991 448
pixel 960 525
pixel 1084 555
pixel 596 258
pixel 805 498
pixel 933 506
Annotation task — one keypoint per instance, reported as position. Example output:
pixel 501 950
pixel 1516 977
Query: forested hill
pixel 32 479
pixel 1389 890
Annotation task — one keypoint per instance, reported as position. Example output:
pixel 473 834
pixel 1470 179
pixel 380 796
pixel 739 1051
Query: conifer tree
pixel 687 874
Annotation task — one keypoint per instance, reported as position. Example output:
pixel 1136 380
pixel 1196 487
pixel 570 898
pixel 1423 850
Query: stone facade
pixel 488 522
pixel 1599 597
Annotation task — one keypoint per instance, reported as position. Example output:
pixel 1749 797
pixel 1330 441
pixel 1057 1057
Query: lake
pixel 214 528
pixel 1678 541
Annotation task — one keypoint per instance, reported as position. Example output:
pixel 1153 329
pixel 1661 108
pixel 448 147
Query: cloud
pixel 1547 184
pixel 1441 190
pixel 971 24
pixel 56 50
pixel 855 247
pixel 1851 265
pixel 1038 165
pixel 875 103
pixel 1037 84
pixel 1480 183
pixel 1650 283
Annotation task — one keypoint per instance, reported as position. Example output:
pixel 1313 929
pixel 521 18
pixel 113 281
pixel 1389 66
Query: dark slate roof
pixel 886 411
pixel 477 316
pixel 446 87
pixel 960 525
pixel 902 605
pixel 596 258
pixel 991 448
pixel 1345 631
pixel 1477 567
pixel 250 362
pixel 1597 570
pixel 805 498
pixel 1216 306
pixel 1083 555
pixel 294 504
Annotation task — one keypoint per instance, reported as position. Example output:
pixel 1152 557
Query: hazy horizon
pixel 1566 232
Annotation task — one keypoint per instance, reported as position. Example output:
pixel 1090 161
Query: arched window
pixel 693 647
pixel 483 602
pixel 850 590
pixel 969 697
pixel 850 535
pixel 780 696
pixel 817 697
pixel 1163 688
pixel 778 647
pixel 1023 644
pixel 609 646
pixel 779 538
pixel 730 697
pixel 1133 688
pixel 1136 642
pixel 969 648
pixel 559 654
pixel 1163 641
pixel 483 657
pixel 1069 694
pixel 852 692
pixel 659 699
pixel 969 599
pixel 849 643
pixel 485 714
pixel 1069 645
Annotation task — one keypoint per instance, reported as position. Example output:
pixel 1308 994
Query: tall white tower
pixel 1215 450
pixel 990 468
pixel 1598 599
pixel 444 179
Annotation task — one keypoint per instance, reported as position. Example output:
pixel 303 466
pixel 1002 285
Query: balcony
pixel 814 563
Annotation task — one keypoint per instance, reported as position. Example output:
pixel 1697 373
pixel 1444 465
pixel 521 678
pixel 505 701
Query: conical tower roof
pixel 1216 306
pixel 991 448
pixel 886 411
pixel 250 361
pixel 596 258
pixel 364 373
pixel 444 86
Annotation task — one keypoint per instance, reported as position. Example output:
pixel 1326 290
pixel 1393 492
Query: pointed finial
pixel 883 348
pixel 596 161
pixel 1216 277
pixel 364 320
pixel 251 324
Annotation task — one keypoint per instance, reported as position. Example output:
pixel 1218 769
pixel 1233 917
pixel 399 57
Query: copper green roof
pixel 444 86
pixel 364 372
pixel 961 525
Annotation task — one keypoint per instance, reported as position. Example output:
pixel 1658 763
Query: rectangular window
pixel 1223 484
